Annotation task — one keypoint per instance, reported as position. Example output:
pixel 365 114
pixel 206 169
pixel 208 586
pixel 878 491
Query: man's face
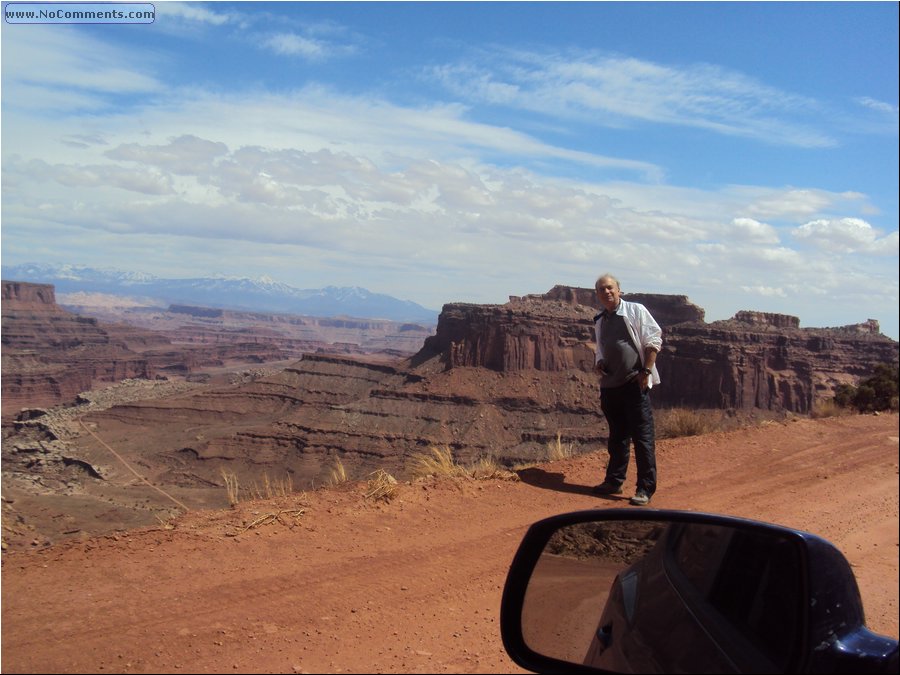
pixel 608 293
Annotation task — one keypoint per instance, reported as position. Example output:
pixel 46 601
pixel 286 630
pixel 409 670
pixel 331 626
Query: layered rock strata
pixel 755 360
pixel 510 382
pixel 50 354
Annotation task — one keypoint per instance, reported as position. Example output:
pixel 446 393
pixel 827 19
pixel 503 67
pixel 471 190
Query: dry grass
pixel 557 450
pixel 338 473
pixel 381 486
pixel 231 486
pixel 438 462
pixel 267 489
pixel 269 518
pixel 827 408
pixel 488 468
pixel 677 422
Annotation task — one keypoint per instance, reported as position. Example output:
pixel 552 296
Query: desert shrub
pixel 676 422
pixel 231 486
pixel 437 462
pixel 559 450
pixel 338 473
pixel 875 393
pixel 267 489
pixel 488 467
pixel 381 486
pixel 827 408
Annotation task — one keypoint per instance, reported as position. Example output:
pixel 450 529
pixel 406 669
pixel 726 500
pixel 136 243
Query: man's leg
pixel 612 403
pixel 644 436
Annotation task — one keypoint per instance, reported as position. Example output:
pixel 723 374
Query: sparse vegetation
pixel 677 422
pixel 826 408
pixel 231 486
pixel 487 468
pixel 270 518
pixel 876 393
pixel 439 462
pixel 267 490
pixel 557 450
pixel 381 486
pixel 338 473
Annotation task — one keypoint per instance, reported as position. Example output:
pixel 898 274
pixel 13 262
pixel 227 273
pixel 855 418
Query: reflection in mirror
pixel 708 598
pixel 572 580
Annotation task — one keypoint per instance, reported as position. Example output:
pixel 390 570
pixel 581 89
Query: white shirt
pixel 642 328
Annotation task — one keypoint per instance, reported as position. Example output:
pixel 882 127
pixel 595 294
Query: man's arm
pixel 650 335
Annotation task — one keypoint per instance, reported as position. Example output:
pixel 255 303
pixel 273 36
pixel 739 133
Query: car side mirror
pixel 661 591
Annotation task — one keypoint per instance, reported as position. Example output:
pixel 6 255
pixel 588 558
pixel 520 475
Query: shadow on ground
pixel 557 481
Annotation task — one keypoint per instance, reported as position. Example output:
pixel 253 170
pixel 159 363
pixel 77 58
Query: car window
pixel 751 579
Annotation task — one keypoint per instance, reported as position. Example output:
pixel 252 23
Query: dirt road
pixel 331 581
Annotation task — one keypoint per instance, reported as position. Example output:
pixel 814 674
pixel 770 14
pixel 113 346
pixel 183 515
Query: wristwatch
pixel 646 371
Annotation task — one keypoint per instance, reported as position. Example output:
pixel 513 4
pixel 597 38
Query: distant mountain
pixel 260 295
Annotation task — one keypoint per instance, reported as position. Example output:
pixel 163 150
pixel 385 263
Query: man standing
pixel 628 340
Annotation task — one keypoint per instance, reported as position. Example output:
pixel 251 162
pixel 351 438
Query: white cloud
pixel 184 155
pixel 291 44
pixel 56 69
pixel 750 230
pixel 192 14
pixel 790 202
pixel 309 48
pixel 878 106
pixel 613 91
pixel 315 187
pixel 846 235
pixel 765 291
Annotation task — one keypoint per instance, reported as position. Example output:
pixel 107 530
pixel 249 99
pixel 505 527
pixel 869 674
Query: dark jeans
pixel 630 417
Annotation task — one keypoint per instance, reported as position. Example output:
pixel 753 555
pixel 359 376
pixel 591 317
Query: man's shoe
pixel 607 489
pixel 640 498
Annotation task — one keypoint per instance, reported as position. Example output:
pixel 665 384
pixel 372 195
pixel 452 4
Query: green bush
pixel 878 392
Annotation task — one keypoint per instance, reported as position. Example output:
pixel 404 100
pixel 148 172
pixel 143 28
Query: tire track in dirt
pixel 414 585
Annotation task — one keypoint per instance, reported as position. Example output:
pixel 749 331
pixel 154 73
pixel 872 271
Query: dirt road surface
pixel 332 581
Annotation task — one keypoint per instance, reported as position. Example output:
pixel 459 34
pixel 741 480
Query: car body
pixel 672 591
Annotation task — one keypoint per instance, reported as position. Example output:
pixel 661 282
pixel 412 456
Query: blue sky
pixel 742 154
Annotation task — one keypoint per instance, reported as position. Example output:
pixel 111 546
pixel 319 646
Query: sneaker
pixel 640 498
pixel 607 489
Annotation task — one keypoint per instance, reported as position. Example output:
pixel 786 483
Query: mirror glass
pixel 652 596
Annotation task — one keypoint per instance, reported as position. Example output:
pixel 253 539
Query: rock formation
pixel 506 382
pixel 755 360
pixel 51 354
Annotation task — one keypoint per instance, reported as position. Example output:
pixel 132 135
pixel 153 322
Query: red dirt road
pixel 339 583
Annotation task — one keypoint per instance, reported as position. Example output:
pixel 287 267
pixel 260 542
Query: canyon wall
pixel 755 360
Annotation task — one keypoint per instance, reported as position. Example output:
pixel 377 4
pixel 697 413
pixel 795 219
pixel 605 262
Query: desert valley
pixel 124 430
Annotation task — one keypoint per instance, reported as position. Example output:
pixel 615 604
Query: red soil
pixel 331 581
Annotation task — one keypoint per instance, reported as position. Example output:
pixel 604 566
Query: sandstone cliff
pixel 506 382
pixel 50 355
pixel 755 360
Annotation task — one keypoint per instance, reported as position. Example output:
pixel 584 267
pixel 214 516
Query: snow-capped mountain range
pixel 258 295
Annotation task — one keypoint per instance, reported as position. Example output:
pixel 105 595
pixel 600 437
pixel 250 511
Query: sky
pixel 742 154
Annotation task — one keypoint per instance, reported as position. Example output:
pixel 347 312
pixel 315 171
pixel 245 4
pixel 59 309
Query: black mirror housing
pixel 619 590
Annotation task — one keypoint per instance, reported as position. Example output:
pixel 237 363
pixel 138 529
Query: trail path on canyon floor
pixel 341 583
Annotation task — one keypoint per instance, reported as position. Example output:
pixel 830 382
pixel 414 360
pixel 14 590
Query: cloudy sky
pixel 742 154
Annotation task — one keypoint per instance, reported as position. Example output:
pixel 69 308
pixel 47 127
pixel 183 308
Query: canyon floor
pixel 335 581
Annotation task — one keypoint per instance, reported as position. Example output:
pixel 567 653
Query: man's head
pixel 608 291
